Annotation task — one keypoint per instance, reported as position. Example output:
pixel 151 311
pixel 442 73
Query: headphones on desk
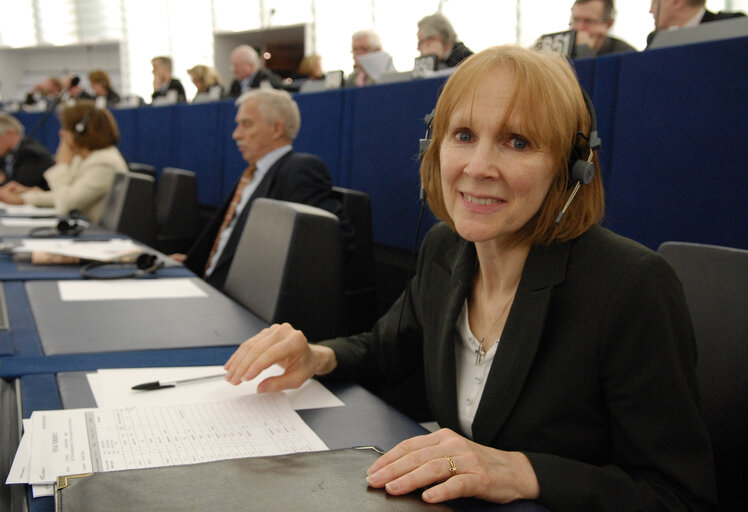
pixel 145 264
pixel 72 225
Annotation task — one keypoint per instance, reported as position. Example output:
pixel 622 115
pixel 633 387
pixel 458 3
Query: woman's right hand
pixel 65 152
pixel 285 346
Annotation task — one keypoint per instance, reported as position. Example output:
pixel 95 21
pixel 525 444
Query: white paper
pixel 112 388
pixel 26 210
pixel 375 64
pixel 12 222
pixel 129 289
pixel 19 471
pixel 95 250
pixel 73 441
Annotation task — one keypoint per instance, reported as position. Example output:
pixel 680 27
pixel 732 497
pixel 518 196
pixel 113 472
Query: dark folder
pixel 314 481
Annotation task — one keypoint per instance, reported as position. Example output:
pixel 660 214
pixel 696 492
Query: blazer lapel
pixel 439 355
pixel 544 269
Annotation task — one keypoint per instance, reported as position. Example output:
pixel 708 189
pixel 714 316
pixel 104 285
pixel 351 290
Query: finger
pixel 243 357
pixel 455 487
pixel 434 470
pixel 401 449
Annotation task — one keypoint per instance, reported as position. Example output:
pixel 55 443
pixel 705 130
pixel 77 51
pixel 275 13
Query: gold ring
pixel 452 467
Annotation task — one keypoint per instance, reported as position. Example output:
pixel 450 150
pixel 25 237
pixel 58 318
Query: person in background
pixel 310 67
pixel 205 79
pixel 267 123
pixel 592 20
pixel 362 42
pixel 675 14
pixel 23 160
pixel 87 160
pixel 73 90
pixel 163 81
pixel 48 90
pixel 559 358
pixel 249 73
pixel 437 37
pixel 102 87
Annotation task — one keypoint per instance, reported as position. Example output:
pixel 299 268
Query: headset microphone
pixel 145 264
pixel 581 171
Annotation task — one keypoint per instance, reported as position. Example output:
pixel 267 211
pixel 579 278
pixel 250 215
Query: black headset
pixel 82 126
pixel 145 264
pixel 581 168
pixel 73 225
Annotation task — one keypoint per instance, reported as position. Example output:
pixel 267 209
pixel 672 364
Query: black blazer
pixel 174 85
pixel 707 18
pixel 593 379
pixel 261 75
pixel 295 177
pixel 30 160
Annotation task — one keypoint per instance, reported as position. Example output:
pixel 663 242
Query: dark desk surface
pixel 75 327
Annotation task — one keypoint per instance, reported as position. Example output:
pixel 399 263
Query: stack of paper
pixel 141 429
pixel 95 250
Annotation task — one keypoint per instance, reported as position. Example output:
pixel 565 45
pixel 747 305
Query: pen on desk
pixel 161 384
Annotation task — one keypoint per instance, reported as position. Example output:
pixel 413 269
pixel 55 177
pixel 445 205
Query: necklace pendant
pixel 479 356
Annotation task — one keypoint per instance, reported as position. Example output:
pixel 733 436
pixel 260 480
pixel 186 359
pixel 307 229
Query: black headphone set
pixel 145 264
pixel 82 125
pixel 581 169
pixel 73 225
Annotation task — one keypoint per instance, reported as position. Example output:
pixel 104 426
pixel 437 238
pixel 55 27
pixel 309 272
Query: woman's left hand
pixel 475 470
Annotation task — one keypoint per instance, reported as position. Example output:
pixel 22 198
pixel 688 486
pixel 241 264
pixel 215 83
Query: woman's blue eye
pixel 519 143
pixel 464 136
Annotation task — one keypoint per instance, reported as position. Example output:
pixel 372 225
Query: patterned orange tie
pixel 245 179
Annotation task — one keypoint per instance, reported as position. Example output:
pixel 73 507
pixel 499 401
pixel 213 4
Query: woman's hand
pixel 475 470
pixel 8 196
pixel 65 152
pixel 15 188
pixel 285 346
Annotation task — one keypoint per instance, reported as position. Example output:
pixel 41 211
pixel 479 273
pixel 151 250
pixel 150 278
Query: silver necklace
pixel 480 353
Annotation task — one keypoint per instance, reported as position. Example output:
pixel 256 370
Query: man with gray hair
pixel 267 123
pixel 22 159
pixel 592 20
pixel 362 42
pixel 249 73
pixel 437 37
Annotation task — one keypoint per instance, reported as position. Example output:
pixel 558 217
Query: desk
pixel 364 420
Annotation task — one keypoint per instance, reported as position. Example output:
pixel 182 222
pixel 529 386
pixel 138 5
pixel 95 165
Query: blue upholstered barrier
pixel 673 121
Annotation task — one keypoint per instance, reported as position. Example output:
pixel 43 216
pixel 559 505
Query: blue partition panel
pixel 158 135
pixel 127 122
pixel 322 121
pixel 604 93
pixel 199 149
pixel 679 159
pixel 386 126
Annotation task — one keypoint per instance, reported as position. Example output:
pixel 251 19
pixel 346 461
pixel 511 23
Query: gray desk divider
pixel 118 325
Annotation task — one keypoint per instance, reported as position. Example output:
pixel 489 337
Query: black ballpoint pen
pixel 161 384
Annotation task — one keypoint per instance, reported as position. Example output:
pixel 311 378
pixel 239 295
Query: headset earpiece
pixel 82 126
pixel 145 264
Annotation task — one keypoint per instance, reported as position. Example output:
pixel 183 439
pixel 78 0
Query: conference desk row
pixel 48 344
pixel 673 123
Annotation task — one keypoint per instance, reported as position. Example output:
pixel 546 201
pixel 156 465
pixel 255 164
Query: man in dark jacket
pixel 248 73
pixel 436 36
pixel 22 159
pixel 592 20
pixel 672 14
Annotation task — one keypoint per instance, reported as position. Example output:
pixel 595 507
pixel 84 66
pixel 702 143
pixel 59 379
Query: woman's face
pixel 98 89
pixel 494 178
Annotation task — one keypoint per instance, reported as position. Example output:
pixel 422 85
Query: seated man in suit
pixel 436 36
pixel 163 81
pixel 248 73
pixel 267 122
pixel 674 14
pixel 22 159
pixel 592 21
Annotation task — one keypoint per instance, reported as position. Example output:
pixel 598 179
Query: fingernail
pixel 427 495
pixel 392 487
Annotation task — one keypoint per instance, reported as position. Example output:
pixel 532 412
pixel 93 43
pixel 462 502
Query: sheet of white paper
pixel 112 388
pixel 75 441
pixel 28 223
pixel 59 445
pixel 97 250
pixel 26 210
pixel 376 64
pixel 129 289
pixel 42 490
pixel 19 470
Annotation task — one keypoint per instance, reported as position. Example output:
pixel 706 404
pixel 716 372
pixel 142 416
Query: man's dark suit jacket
pixel 260 76
pixel 707 18
pixel 174 85
pixel 295 177
pixel 30 160
pixel 593 378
